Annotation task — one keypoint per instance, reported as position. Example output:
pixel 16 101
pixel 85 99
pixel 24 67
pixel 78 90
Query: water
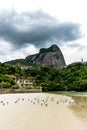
pixel 72 93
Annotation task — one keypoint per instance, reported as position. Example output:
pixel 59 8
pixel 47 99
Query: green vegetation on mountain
pixel 53 48
pixel 20 62
pixel 17 62
pixel 70 78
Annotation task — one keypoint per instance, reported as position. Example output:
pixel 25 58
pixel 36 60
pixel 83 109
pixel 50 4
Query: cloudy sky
pixel 28 25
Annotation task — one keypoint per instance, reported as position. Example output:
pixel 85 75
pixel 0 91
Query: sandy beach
pixel 38 111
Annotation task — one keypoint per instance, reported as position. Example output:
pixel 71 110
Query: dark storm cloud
pixel 37 28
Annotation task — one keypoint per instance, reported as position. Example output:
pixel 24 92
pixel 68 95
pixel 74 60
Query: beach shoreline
pixel 12 91
pixel 38 111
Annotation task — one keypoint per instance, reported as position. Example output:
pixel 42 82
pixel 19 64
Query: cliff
pixel 49 57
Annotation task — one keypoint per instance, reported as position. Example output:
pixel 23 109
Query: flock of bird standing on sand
pixel 40 101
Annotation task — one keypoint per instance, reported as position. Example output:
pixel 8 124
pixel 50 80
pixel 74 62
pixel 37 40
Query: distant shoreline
pixel 20 91
pixel 67 93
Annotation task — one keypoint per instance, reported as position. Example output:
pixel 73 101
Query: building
pixel 25 83
pixel 26 67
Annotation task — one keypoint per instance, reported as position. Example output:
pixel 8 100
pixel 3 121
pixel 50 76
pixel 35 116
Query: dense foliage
pixel 6 82
pixel 70 78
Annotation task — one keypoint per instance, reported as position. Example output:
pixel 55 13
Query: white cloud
pixel 5 47
pixel 7 52
pixel 74 54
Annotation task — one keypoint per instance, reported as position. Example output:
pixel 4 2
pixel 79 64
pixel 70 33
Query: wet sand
pixel 80 106
pixel 38 112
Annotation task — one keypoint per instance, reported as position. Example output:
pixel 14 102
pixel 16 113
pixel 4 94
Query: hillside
pixel 70 78
pixel 20 62
pixel 17 62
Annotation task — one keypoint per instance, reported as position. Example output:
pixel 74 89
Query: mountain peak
pixel 52 48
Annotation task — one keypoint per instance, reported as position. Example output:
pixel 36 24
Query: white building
pixel 22 82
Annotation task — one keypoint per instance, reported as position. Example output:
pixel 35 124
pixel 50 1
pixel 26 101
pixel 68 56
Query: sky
pixel 28 25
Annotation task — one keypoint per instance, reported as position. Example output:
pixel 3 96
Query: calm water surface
pixel 73 93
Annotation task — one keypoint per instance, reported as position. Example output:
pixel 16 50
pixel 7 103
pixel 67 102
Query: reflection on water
pixel 71 93
pixel 80 103
pixel 80 106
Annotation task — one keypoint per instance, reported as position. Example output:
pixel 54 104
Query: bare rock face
pixel 49 57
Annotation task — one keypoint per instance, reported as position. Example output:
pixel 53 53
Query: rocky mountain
pixel 49 57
